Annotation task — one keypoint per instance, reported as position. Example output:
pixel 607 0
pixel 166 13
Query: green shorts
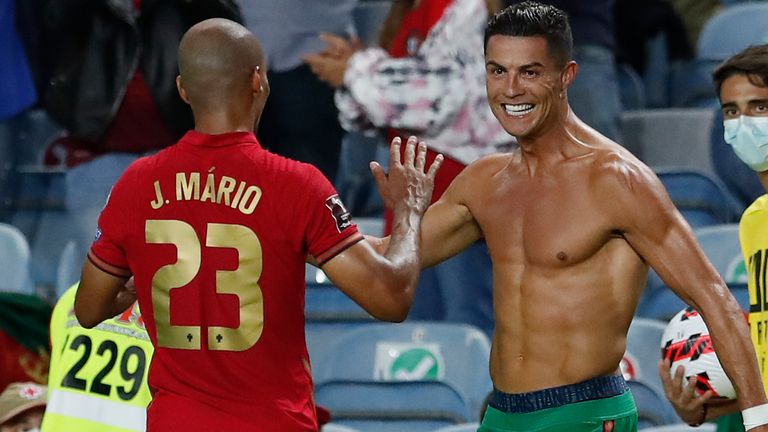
pixel 610 414
pixel 730 423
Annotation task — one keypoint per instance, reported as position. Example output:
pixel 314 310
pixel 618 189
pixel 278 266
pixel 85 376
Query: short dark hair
pixel 752 62
pixel 531 18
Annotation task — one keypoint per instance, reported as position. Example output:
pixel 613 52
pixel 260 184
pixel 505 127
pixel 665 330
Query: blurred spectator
pixel 428 79
pixel 78 398
pixel 24 354
pixel 22 406
pixel 17 93
pixel 300 120
pixel 594 96
pixel 113 88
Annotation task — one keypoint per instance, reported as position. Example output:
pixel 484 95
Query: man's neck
pixel 556 143
pixel 223 122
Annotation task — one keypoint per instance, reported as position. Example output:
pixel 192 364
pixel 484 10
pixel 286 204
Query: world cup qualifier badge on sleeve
pixel 339 212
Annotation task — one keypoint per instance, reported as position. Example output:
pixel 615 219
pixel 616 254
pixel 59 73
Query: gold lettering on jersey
pixel 187 189
pixel 226 186
pixel 159 201
pixel 250 200
pixel 226 191
pixel 209 191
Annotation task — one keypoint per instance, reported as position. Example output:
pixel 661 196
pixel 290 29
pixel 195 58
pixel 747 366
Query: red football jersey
pixel 216 231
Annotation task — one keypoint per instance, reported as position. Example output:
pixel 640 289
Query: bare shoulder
pixel 492 162
pixel 488 166
pixel 617 169
pixel 477 176
pixel 634 195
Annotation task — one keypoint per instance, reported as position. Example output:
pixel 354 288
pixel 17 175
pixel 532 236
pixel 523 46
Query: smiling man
pixel 572 221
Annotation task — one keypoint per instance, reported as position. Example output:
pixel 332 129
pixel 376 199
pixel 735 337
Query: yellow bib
pixel 98 377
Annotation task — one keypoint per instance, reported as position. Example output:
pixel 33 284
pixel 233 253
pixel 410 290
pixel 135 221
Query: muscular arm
pixel 384 283
pixel 101 296
pixel 657 231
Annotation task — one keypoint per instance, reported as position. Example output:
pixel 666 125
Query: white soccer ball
pixel 686 343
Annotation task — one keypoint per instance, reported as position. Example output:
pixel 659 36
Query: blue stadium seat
pixel 644 352
pixel 701 198
pixel 465 427
pixel 653 408
pixel 52 235
pixel 379 406
pixel 326 303
pixel 454 354
pixel 333 427
pixel 631 88
pixel 320 336
pixel 69 268
pixel 733 29
pixel 14 261
pixel 675 137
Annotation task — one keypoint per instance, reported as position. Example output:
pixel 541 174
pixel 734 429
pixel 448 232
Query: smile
pixel 518 110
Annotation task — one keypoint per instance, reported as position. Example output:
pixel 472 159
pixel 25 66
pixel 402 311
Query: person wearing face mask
pixel 742 86
pixel 22 406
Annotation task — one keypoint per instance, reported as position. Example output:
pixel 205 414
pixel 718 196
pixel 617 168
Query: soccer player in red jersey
pixel 216 232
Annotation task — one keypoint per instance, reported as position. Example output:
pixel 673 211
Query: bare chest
pixel 548 224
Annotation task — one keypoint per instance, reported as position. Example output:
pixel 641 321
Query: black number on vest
pixel 137 375
pixel 134 374
pixel 97 386
pixel 70 379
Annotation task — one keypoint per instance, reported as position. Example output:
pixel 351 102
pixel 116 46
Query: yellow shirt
pixel 98 377
pixel 753 235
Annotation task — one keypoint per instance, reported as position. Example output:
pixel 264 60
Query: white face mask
pixel 749 138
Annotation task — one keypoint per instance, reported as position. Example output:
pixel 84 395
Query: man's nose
pixel 513 86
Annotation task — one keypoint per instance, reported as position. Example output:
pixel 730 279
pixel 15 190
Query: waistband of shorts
pixel 595 388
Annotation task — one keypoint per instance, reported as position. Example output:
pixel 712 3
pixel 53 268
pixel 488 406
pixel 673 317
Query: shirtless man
pixel 572 222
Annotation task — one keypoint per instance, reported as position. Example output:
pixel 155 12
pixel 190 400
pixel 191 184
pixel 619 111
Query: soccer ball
pixel 686 342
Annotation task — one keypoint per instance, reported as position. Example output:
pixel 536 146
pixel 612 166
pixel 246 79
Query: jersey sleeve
pixel 108 249
pixel 329 226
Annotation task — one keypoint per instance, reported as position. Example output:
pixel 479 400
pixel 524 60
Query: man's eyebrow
pixel 728 105
pixel 525 66
pixel 757 101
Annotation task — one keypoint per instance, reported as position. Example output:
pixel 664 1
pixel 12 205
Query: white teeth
pixel 518 109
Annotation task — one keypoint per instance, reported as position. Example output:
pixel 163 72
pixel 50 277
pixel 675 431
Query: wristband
pixel 755 416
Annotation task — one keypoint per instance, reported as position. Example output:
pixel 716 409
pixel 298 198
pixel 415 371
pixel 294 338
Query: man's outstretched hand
pixel 407 183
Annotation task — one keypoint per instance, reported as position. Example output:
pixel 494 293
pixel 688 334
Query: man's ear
pixel 181 90
pixel 257 81
pixel 569 73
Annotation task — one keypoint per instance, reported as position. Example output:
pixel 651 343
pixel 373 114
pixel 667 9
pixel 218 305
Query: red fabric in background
pixel 418 22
